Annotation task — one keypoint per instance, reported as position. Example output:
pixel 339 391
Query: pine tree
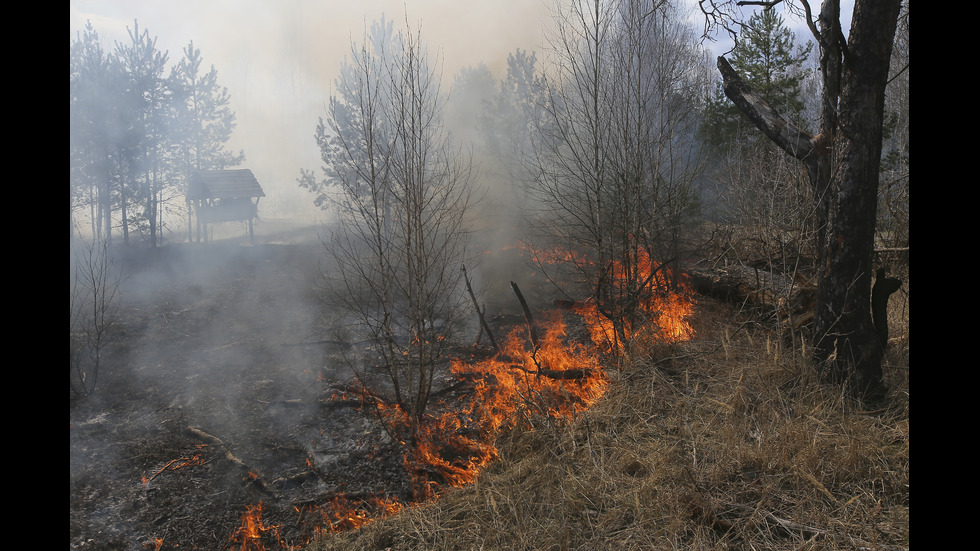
pixel 137 130
pixel 843 164
pixel 772 64
pixel 205 120
pixel 99 126
pixel 149 90
pixel 766 199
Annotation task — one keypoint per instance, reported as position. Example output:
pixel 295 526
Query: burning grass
pixel 720 442
pixel 714 443
pixel 540 375
pixel 556 380
pixel 550 379
pixel 643 301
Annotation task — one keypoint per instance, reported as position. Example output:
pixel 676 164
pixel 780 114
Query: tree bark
pixel 847 343
pixel 843 162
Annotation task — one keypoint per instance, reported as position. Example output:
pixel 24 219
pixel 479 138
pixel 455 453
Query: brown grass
pixel 724 442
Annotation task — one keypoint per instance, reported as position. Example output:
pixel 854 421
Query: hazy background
pixel 279 61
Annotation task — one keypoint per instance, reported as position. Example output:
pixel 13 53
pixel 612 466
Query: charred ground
pixel 214 398
pixel 221 369
pixel 222 339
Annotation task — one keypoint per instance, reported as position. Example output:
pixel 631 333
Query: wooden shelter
pixel 224 196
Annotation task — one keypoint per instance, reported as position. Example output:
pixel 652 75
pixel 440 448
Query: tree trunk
pixel 847 344
pixel 843 162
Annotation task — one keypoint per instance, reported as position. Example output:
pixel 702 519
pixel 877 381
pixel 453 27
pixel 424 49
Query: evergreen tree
pixel 772 64
pixel 843 164
pixel 100 124
pixel 766 199
pixel 149 90
pixel 137 130
pixel 355 138
pixel 512 116
pixel 207 120
pixel 204 122
pixel 473 89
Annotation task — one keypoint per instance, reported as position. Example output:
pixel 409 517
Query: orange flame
pixel 342 514
pixel 253 531
pixel 156 544
pixel 555 379
pixel 663 302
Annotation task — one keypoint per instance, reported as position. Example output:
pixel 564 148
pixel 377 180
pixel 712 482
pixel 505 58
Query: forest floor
pixel 725 441
pixel 217 397
pixel 209 403
pixel 214 403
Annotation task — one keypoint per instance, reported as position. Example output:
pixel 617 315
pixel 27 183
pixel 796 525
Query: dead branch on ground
pixel 251 473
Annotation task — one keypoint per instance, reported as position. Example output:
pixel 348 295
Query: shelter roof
pixel 222 184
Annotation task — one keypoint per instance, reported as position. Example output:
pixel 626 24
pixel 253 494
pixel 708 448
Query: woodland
pixel 624 296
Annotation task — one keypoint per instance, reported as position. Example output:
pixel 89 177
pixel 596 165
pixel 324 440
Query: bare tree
pixel 92 308
pixel 843 161
pixel 616 160
pixel 769 208
pixel 402 191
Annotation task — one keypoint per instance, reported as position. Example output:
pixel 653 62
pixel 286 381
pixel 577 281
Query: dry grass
pixel 724 442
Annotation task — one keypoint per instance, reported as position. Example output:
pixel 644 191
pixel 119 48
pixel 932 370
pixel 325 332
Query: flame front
pixel 661 301
pixel 557 380
pixel 665 319
pixel 551 377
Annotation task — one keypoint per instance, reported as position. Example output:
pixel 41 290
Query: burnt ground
pixel 217 344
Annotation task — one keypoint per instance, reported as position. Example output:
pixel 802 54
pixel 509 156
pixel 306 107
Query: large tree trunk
pixel 847 343
pixel 843 162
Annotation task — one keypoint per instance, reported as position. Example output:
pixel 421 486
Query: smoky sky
pixel 279 60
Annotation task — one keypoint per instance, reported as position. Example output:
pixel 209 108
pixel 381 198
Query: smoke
pixel 279 62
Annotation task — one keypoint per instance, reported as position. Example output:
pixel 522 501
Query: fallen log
pixel 772 293
pixel 739 283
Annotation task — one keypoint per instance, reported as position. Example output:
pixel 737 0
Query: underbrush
pixel 724 442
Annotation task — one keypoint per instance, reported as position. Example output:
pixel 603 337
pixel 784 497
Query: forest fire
pixel 663 312
pixel 549 377
pixel 556 380
pixel 538 374
pixel 658 300
pixel 343 514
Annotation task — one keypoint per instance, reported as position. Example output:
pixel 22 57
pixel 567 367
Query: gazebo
pixel 224 196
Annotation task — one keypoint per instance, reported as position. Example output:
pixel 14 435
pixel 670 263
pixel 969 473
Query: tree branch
pixel 250 472
pixel 790 138
pixel 527 315
pixel 767 4
pixel 483 319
